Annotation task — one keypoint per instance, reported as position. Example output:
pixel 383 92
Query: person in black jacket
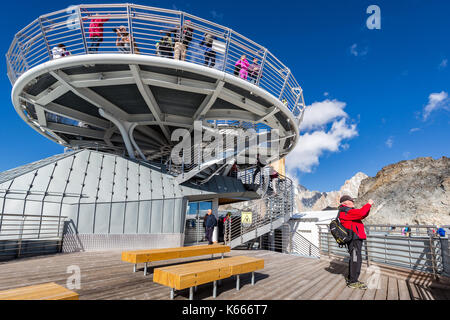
pixel 210 54
pixel 182 36
pixel 210 223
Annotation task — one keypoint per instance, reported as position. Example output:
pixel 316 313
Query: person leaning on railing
pixel 351 219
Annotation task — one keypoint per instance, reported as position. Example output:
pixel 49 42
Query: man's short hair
pixel 346 198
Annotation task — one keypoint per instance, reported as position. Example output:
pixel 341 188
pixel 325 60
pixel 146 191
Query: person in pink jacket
pixel 96 30
pixel 241 67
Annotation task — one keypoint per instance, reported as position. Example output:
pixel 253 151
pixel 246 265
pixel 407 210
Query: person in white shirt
pixel 60 51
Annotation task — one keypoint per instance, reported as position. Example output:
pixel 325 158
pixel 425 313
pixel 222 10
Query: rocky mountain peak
pixel 411 191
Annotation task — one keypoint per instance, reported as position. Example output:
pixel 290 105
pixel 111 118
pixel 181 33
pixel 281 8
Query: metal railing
pixel 419 249
pixel 23 235
pixel 90 29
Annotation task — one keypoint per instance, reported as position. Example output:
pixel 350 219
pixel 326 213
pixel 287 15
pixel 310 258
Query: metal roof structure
pixel 95 94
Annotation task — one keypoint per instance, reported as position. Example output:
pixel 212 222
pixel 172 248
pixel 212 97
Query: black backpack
pixel 341 234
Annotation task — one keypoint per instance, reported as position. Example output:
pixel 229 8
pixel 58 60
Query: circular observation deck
pixel 120 78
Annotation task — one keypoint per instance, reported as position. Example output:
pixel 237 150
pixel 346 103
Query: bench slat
pixel 143 256
pixel 46 291
pixel 196 273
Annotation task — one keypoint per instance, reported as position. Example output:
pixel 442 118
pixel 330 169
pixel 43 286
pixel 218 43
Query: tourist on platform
pixel 96 31
pixel 440 231
pixel 253 71
pixel 210 54
pixel 408 231
pixel 274 178
pixel 259 167
pixel 164 47
pixel 227 218
pixel 60 51
pixel 210 223
pixel 123 41
pixel 241 67
pixel 351 219
pixel 183 37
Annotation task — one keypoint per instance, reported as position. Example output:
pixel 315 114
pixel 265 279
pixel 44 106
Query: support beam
pixel 68 112
pixel 123 132
pixel 148 78
pixel 243 103
pixel 149 99
pixel 76 131
pixel 52 95
pixel 40 113
pixel 90 96
pixel 141 154
pixel 208 101
pixel 227 114
pixel 271 113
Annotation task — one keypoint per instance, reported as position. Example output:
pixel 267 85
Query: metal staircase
pixel 267 214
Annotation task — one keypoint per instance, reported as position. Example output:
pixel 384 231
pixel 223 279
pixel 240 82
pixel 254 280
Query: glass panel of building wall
pixel 195 227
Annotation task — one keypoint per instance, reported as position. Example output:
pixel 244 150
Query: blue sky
pixel 384 92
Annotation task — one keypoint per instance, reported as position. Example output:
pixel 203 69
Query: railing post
pixel 130 28
pixel 367 252
pixel 328 244
pixel 263 63
pixel 226 50
pixel 19 251
pixel 22 54
pixel 83 35
pixel 284 84
pixel 44 36
pixel 432 253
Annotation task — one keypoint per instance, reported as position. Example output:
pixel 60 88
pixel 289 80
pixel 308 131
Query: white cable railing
pixel 23 235
pixel 91 29
pixel 419 248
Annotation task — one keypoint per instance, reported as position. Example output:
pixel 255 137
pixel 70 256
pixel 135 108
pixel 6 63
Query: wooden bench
pixel 46 291
pixel 192 274
pixel 146 256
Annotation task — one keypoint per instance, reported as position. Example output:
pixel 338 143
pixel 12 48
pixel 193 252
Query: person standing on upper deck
pixel 254 70
pixel 183 37
pixel 210 54
pixel 241 67
pixel 96 31
pixel 351 219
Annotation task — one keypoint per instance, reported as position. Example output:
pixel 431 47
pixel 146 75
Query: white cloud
pixel 321 113
pixel 414 130
pixel 326 94
pixel 312 145
pixel 354 50
pixel 436 101
pixel 390 142
pixel 443 64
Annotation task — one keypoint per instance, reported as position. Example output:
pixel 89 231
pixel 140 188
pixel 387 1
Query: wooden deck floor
pixel 285 277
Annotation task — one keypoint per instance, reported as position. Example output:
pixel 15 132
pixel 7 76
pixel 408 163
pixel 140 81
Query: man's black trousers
pixel 354 264
pixel 209 234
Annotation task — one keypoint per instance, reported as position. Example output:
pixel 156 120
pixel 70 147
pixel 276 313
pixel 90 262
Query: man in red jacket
pixel 351 219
